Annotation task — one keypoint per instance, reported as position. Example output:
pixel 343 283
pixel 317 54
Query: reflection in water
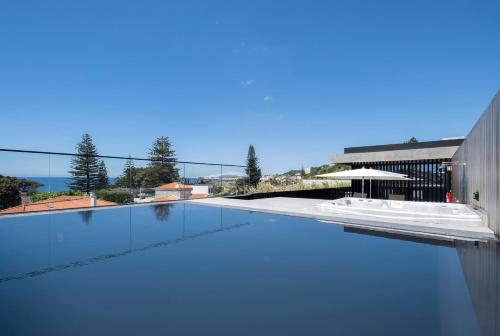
pixel 289 273
pixel 86 216
pixel 480 264
pixel 389 235
pixel 161 211
pixel 95 259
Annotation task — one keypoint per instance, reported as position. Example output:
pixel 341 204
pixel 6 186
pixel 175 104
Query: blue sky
pixel 299 80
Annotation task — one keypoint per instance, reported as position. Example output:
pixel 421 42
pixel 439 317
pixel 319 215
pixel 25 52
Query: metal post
pixel 130 177
pixel 50 181
pixel 370 188
pixel 362 186
pixel 184 220
pixel 130 228
pixel 221 189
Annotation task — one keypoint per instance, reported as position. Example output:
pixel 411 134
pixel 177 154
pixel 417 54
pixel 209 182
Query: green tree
pixel 85 167
pixel 161 168
pixel 125 179
pixel 131 177
pixel 9 192
pixel 412 140
pixel 129 173
pixel 27 186
pixel 253 170
pixel 102 176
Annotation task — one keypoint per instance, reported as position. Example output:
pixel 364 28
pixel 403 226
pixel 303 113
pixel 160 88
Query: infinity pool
pixel 186 269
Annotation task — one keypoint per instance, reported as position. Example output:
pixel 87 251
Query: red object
pixel 449 197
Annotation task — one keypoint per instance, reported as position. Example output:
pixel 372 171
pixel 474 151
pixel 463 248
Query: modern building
pixel 476 166
pixel 428 164
pixel 469 167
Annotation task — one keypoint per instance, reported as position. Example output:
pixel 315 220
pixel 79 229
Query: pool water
pixel 186 269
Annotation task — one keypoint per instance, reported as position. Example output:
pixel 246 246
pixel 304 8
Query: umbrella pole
pixel 370 188
pixel 362 186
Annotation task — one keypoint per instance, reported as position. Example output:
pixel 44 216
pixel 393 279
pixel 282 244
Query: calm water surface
pixel 54 184
pixel 185 269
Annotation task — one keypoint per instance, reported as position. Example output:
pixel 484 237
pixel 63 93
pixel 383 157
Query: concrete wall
pixel 476 165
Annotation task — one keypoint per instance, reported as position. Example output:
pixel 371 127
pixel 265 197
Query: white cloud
pixel 248 82
pixel 268 98
pixel 241 47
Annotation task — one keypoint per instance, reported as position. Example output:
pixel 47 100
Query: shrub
pixel 269 187
pixel 119 196
pixel 44 195
pixel 9 192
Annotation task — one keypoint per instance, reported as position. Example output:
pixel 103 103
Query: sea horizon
pixel 60 183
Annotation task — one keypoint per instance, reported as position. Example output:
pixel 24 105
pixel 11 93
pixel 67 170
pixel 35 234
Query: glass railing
pixel 33 181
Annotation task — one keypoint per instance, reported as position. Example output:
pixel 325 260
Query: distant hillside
pixel 324 169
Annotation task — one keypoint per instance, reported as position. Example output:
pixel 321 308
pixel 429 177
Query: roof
pixel 198 195
pixel 165 198
pixel 404 146
pixel 429 150
pixel 56 203
pixel 174 186
pixel 175 198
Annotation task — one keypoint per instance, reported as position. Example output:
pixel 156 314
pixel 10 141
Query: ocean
pixel 56 183
pixel 61 183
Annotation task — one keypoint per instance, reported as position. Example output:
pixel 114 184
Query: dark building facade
pixel 426 163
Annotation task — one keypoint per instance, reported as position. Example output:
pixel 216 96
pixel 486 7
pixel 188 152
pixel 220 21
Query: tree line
pixel 88 172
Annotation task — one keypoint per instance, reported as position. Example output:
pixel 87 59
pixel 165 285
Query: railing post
pixel 220 177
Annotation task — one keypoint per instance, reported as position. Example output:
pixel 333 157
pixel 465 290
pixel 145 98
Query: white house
pixel 202 189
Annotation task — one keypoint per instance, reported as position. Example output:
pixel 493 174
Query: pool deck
pixel 303 207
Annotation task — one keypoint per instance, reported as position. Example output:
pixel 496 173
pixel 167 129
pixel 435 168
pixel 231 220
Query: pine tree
pixel 124 180
pixel 253 170
pixel 102 176
pixel 131 176
pixel 85 166
pixel 161 168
